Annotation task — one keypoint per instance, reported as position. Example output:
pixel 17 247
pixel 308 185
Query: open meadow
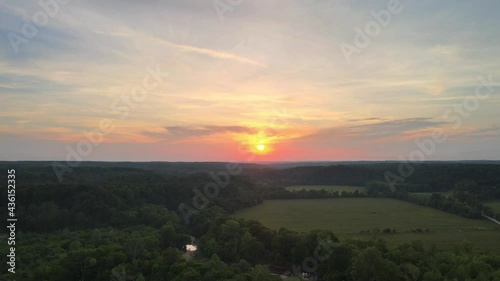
pixel 494 204
pixel 429 194
pixel 348 217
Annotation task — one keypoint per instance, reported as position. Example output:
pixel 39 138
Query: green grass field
pixel 494 204
pixel 346 217
pixel 329 188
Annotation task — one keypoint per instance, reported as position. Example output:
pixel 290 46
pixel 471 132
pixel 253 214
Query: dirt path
pixel 492 219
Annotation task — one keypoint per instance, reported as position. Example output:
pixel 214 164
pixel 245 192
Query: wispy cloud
pixel 193 131
pixel 213 53
pixel 379 130
pixel 398 125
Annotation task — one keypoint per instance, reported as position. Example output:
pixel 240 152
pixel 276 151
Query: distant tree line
pixel 427 177
pixel 282 193
pixel 462 203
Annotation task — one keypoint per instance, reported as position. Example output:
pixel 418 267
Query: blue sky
pixel 248 73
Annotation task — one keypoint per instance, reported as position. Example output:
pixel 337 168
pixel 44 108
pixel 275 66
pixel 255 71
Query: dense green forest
pixel 126 222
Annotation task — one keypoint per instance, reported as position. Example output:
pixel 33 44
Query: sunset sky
pixel 262 80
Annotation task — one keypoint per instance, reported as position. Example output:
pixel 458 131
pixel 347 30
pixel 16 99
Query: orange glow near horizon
pixel 259 143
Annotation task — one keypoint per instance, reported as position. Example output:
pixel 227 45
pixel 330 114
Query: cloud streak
pixel 378 130
pixel 196 131
pixel 214 53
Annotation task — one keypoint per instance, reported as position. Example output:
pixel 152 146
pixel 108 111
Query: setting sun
pixel 259 143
